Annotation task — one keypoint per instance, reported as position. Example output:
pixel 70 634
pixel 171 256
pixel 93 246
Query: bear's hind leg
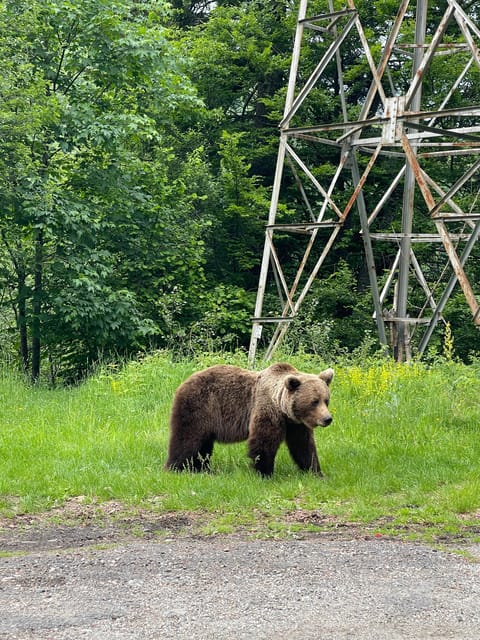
pixel 202 460
pixel 196 458
pixel 301 444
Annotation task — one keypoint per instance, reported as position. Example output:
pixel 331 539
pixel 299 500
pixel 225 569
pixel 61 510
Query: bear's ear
pixel 327 375
pixel 292 383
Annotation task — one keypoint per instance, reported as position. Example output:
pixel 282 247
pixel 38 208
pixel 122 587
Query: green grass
pixel 403 452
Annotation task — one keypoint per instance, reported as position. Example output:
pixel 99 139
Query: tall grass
pixel 404 447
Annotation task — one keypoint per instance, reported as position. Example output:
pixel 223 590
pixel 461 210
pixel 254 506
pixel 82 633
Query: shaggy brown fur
pixel 230 404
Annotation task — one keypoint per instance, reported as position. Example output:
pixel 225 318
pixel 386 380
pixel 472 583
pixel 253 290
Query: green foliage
pixel 137 151
pixel 236 227
pixel 240 60
pixel 225 323
pixel 335 319
pixel 87 197
pixel 464 334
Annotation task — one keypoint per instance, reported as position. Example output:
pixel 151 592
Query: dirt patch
pixel 80 523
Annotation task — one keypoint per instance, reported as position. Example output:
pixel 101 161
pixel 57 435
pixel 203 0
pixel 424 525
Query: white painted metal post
pixel 408 195
pixel 257 326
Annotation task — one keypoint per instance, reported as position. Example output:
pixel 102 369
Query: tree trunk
pixel 37 304
pixel 20 304
pixel 22 319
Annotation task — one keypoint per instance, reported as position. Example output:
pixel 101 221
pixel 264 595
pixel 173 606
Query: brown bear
pixel 228 404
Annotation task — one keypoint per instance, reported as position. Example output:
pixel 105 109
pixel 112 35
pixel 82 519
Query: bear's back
pixel 218 400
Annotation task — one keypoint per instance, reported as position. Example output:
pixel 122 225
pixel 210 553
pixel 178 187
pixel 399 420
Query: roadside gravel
pixel 231 588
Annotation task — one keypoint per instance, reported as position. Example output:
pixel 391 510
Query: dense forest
pixel 138 142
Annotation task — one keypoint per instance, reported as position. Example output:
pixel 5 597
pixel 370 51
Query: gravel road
pixel 229 588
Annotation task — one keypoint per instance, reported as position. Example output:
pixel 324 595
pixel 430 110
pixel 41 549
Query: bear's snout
pixel 318 421
pixel 326 421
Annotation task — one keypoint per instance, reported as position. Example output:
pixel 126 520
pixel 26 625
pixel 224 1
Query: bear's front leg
pixel 301 444
pixel 263 443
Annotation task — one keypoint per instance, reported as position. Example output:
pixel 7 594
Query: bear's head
pixel 307 398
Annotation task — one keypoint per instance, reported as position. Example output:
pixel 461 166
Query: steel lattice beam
pixel 391 124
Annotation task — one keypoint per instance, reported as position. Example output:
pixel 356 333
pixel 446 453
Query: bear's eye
pixel 315 403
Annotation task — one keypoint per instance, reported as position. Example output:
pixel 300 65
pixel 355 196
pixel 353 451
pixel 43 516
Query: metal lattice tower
pixel 393 131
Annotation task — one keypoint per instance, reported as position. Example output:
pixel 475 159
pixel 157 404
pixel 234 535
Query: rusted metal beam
pixel 417 172
pixel 359 183
pixel 453 190
pixel 424 58
pixel 459 272
pixel 448 290
pixel 443 232
pixel 459 10
pixel 406 132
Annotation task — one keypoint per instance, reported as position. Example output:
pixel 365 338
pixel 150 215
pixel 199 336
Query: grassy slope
pixel 404 448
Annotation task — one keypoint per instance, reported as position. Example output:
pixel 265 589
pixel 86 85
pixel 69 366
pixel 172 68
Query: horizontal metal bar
pixel 443 132
pixel 427 139
pixel 417 237
pixel 406 117
pixel 450 216
pixel 327 16
pixel 316 139
pixel 303 226
pixel 270 320
pixel 406 320
pixel 450 152
pixel 445 45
